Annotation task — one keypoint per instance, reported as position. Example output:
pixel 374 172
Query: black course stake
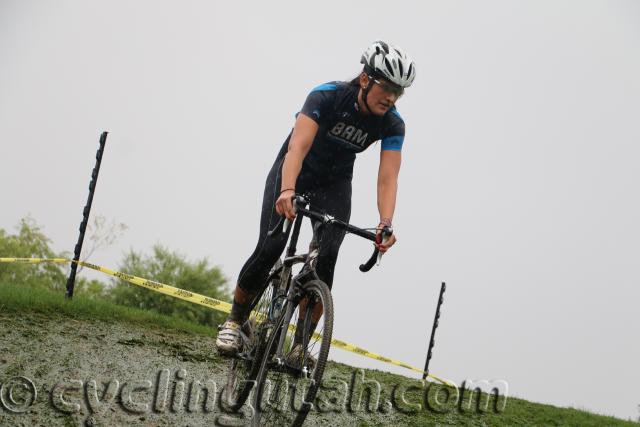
pixel 433 332
pixel 85 217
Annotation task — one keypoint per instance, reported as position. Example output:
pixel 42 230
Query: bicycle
pixel 280 338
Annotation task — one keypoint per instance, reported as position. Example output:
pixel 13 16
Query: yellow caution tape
pixel 366 353
pixel 149 284
pixel 35 260
pixel 212 303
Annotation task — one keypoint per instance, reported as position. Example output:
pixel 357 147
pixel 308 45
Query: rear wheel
pixel 287 385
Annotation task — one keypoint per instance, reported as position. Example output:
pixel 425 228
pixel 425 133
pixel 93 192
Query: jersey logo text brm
pixel 349 133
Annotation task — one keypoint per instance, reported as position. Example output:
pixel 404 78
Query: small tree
pixel 29 242
pixel 172 269
pixel 101 235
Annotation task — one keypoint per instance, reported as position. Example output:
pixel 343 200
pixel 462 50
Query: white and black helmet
pixel 389 62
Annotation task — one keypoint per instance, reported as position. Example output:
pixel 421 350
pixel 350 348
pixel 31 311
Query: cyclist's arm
pixel 300 143
pixel 387 189
pixel 304 131
pixel 388 183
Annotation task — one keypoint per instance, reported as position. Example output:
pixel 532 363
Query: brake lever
pixel 379 257
pixel 386 234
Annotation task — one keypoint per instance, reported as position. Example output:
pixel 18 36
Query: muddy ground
pixel 60 371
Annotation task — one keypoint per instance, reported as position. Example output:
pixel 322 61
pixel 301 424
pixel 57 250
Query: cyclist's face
pixel 382 96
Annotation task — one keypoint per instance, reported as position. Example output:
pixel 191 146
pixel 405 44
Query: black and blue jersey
pixel 344 131
pixel 325 176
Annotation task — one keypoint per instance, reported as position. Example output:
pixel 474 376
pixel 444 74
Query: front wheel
pixel 243 368
pixel 293 365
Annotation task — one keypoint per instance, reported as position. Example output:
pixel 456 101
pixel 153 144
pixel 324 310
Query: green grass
pixel 517 412
pixel 20 299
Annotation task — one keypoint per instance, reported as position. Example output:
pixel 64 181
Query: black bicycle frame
pixel 300 203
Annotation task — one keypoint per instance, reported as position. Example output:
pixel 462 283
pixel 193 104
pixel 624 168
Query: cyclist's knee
pixel 325 269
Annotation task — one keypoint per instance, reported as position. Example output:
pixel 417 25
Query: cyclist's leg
pixel 255 270
pixel 334 199
pixel 254 273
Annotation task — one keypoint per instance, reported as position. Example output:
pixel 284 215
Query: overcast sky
pixel 519 182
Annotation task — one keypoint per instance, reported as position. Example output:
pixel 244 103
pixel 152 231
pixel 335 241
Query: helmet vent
pixel 389 67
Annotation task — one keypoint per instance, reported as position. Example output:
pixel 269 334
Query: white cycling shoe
pixel 228 341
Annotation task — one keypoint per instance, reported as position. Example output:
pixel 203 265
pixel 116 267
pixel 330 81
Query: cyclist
pixel 337 120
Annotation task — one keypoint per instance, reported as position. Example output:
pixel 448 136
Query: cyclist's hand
pixel 284 204
pixel 384 247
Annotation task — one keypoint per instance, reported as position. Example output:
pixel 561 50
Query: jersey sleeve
pixel 319 102
pixel 393 133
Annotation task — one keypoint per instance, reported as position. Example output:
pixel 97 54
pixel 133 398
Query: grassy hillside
pixel 94 363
